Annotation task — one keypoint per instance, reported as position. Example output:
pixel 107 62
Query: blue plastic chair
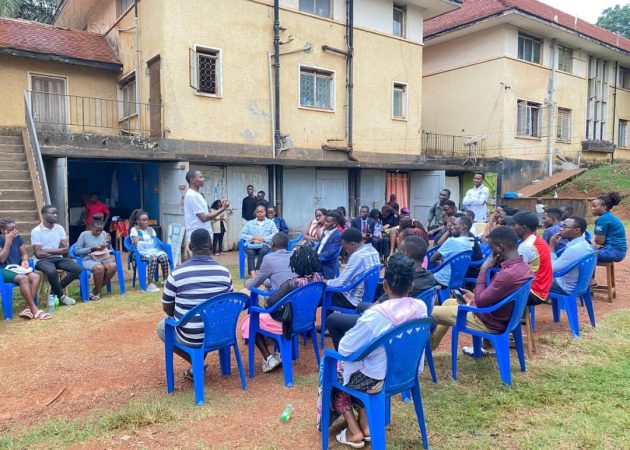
pixel 568 303
pixel 84 278
pixel 219 315
pixel 333 258
pixel 430 253
pixel 242 256
pixel 486 252
pixel 140 267
pixel 500 341
pixel 459 265
pixel 294 241
pixel 428 297
pixel 6 293
pixel 304 302
pixel 403 346
pixel 370 279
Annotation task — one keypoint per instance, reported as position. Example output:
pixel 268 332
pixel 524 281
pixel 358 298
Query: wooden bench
pixel 609 288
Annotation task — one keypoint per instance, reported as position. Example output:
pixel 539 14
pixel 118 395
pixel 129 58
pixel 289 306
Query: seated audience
pixel 390 220
pixel 377 237
pixel 304 264
pixel 406 224
pixel 219 228
pixel 257 234
pixel 365 224
pixel 434 219
pixel 577 248
pixel 275 268
pixel 610 234
pixel 13 252
pixel 94 247
pixel 514 273
pixel 367 375
pixel 361 258
pixel 145 240
pixel 281 225
pixel 535 252
pixel 313 232
pixel 198 279
pixel 552 221
pixel 50 244
pixel 449 209
pixel 345 224
pixel 458 241
pixel 566 210
pixel 392 203
pixel 328 248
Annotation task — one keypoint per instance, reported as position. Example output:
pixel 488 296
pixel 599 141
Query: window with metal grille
pixel 205 70
pixel 529 48
pixel 128 95
pixel 622 139
pixel 624 78
pixel 317 88
pixel 597 105
pixel 399 101
pixel 565 59
pixel 122 6
pixel 563 128
pixel 528 115
pixel 399 21
pixel 319 7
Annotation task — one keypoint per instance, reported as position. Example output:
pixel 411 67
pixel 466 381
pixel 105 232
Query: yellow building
pixel 325 124
pixel 532 83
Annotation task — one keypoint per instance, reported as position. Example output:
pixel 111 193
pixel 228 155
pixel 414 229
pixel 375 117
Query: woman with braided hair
pixel 305 264
pixel 610 234
pixel 145 240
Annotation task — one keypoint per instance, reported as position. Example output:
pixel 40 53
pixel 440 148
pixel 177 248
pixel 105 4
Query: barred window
pixel 624 78
pixel 316 88
pixel 399 101
pixel 563 128
pixel 529 48
pixel 205 70
pixel 528 119
pixel 122 6
pixel 622 140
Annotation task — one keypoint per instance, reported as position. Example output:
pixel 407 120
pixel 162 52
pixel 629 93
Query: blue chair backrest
pixel 459 265
pixel 586 265
pixel 128 243
pixel 370 282
pixel 520 297
pixel 71 251
pixel 403 345
pixel 428 297
pixel 485 249
pixel 219 315
pixel 304 301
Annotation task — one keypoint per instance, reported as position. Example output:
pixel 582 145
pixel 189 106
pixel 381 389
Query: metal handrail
pixel 451 146
pixel 35 148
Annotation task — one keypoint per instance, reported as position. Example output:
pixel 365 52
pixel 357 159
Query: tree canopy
pixel 38 10
pixel 616 19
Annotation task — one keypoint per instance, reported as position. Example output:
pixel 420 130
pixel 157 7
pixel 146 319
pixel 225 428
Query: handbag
pixel 101 255
pixel 254 245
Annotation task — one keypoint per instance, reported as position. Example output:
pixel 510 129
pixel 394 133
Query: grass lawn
pixel 576 394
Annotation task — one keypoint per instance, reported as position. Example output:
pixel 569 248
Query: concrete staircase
pixel 17 199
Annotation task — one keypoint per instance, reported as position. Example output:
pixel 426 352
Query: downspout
pixel 276 70
pixel 349 53
pixel 612 157
pixel 552 108
pixel 138 75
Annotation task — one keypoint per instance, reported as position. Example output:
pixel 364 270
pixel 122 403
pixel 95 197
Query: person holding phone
pixel 514 273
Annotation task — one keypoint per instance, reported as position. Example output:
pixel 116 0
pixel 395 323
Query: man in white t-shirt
pixel 476 198
pixel 50 244
pixel 196 211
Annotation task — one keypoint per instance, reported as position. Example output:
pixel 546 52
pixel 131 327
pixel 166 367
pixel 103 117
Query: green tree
pixel 616 19
pixel 38 10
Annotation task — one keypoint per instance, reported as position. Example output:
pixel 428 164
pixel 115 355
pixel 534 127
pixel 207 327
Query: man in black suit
pixel 365 224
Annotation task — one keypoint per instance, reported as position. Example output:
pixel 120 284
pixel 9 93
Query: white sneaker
pixel 153 288
pixel 270 363
pixel 67 300
pixel 277 355
pixel 470 351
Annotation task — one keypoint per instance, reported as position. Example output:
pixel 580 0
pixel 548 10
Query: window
pixel 399 101
pixel 319 7
pixel 316 88
pixel 122 6
pixel 128 94
pixel 565 59
pixel 597 105
pixel 563 128
pixel 205 70
pixel 624 78
pixel 529 48
pixel 622 140
pixel 528 119
pixel 399 21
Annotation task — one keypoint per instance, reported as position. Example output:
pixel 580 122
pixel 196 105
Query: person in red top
pixel 535 252
pixel 95 207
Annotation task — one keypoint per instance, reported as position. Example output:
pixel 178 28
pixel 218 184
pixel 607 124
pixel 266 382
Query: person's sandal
pixel 26 314
pixel 94 297
pixel 42 315
pixel 341 438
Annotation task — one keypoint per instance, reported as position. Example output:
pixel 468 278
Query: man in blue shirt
pixel 281 224
pixel 553 223
pixel 577 248
pixel 457 242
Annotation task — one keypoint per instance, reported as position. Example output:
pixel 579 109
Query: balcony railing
pixel 77 114
pixel 448 146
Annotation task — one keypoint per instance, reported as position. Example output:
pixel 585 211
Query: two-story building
pixel 539 86
pixel 316 102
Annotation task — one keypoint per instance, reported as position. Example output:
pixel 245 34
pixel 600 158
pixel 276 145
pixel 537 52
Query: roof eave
pixel 115 67
pixel 60 8
pixel 530 16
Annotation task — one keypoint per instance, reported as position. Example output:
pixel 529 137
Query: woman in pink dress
pixel 305 264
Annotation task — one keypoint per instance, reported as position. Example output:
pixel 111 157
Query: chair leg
pixel 612 281
pixel 376 419
pixel 84 285
pixel 323 325
pixel 417 402
pixel 570 306
pixel 142 276
pixel 406 396
pixel 428 353
pixel 251 348
pixel 239 364
pixel 531 341
pixel 454 339
pixel 7 301
pixel 325 420
pixel 502 348
pixel 168 362
pixel 532 314
pixel 286 352
pixel 295 348
pixel 518 343
pixel 198 376
pixel 225 362
pixel 388 408
pixel 588 301
pixel 555 309
pixel 315 347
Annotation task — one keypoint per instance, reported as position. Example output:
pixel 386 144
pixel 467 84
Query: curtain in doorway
pixel 397 184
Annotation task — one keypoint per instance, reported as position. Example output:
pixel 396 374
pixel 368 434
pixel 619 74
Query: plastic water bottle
pixel 286 413
pixel 56 302
pixel 51 304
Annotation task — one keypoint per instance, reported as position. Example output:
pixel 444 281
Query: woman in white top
pixel 145 240
pixel 218 228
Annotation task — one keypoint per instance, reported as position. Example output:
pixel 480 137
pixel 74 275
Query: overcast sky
pixel 588 10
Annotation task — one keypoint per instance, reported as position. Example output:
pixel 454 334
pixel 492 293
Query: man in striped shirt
pixel 200 278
